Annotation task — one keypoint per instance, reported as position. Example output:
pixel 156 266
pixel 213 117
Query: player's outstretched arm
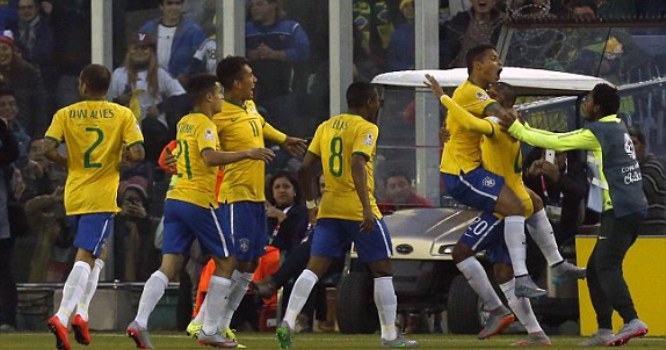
pixel 51 152
pixel 295 146
pixel 360 183
pixel 216 158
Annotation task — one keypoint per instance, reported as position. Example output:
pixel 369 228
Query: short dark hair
pixel 230 70
pixel 635 131
pixel 96 77
pixel 508 91
pixel 162 1
pixel 583 3
pixel 358 94
pixel 7 91
pixel 200 85
pixel 397 172
pixel 476 54
pixel 607 98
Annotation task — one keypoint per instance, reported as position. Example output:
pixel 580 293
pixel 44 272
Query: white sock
pixel 473 271
pixel 91 287
pixel 71 293
pixel 202 310
pixel 514 236
pixel 218 292
pixel 521 307
pixel 153 291
pixel 299 295
pixel 387 306
pixel 542 233
pixel 239 283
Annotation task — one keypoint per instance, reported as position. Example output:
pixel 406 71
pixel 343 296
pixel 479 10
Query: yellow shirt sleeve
pixel 272 133
pixel 578 139
pixel 365 141
pixel 466 119
pixel 206 136
pixel 315 147
pixel 56 130
pixel 131 132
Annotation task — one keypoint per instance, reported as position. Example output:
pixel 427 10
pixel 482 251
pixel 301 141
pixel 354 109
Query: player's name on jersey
pixel 186 128
pixel 91 113
pixel 339 125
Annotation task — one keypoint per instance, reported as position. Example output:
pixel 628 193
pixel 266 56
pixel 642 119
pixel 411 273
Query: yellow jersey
pixel 195 133
pixel 94 133
pixel 501 155
pixel 240 128
pixel 335 142
pixel 462 152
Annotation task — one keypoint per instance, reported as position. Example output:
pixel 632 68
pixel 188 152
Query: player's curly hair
pixel 230 69
pixel 607 98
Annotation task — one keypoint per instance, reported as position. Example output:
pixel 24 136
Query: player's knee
pixel 381 268
pixel 503 272
pixel 461 251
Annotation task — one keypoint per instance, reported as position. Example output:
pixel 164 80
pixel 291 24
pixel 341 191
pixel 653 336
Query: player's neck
pixel 234 99
pixel 205 110
pixel 95 98
pixel 480 82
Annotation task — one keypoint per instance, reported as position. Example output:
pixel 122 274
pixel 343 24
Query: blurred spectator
pixel 614 9
pixel 274 45
pixel 401 47
pixel 287 215
pixel 8 293
pixel 373 19
pixel 177 38
pixel 585 10
pixel 400 194
pixel 654 185
pixel 143 86
pixel 563 188
pixel 204 59
pixel 7 12
pixel 25 81
pixel 202 12
pixel 134 233
pixel 481 24
pixel 34 37
pixel 8 113
pixel 651 8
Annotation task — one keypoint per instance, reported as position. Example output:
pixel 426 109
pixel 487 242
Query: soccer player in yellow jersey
pixel 345 147
pixel 464 177
pixel 241 197
pixel 94 132
pixel 191 211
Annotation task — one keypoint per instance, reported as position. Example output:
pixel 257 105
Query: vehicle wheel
pixel 464 308
pixel 356 308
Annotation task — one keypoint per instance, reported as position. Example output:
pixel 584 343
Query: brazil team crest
pixel 488 182
pixel 244 245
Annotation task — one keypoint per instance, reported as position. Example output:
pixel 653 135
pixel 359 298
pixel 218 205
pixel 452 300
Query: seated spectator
pixel 400 194
pixel 287 215
pixel 26 82
pixel 274 45
pixel 481 24
pixel 654 185
pixel 401 47
pixel 562 186
pixel 134 233
pixel 144 86
pixel 177 38
pixel 374 21
pixel 9 113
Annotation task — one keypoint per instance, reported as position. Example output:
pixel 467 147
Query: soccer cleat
pixel 216 340
pixel 499 319
pixel 526 288
pixel 399 342
pixel 284 335
pixel 81 331
pixel 139 335
pixel 600 338
pixel 193 329
pixel 534 339
pixel 60 332
pixel 635 328
pixel 231 335
pixel 564 271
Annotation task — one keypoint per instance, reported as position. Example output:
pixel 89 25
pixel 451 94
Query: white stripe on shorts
pixel 386 245
pixel 219 232
pixel 476 190
pixel 101 236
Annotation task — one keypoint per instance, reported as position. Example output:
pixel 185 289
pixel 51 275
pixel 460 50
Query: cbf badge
pixel 488 181
pixel 244 245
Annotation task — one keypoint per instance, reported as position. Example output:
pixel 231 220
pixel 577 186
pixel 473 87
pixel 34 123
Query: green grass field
pixel 116 341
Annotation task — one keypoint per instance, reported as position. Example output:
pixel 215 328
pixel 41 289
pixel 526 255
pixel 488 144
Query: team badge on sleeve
pixel 481 96
pixel 369 139
pixel 209 135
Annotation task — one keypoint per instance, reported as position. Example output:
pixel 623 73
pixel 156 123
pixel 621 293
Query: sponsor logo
pixel 629 146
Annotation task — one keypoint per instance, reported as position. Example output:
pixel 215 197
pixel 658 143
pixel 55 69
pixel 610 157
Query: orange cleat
pixel 60 332
pixel 81 332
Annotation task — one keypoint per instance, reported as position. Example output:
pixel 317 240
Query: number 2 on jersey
pixel 87 163
pixel 335 160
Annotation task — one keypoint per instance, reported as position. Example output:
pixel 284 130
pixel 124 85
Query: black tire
pixel 356 310
pixel 463 308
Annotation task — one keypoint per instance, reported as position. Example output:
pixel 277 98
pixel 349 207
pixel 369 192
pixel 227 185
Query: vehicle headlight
pixel 445 250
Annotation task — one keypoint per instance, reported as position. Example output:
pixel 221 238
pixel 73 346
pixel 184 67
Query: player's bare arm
pixel 434 86
pixel 215 158
pixel 52 154
pixel 360 183
pixel 308 177
pixel 506 117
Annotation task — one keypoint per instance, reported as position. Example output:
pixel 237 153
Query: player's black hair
pixel 96 77
pixel 476 53
pixel 230 69
pixel 397 172
pixel 508 91
pixel 607 98
pixel 358 94
pixel 292 180
pixel 200 85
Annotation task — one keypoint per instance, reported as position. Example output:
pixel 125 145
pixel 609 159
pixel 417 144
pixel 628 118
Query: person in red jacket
pixel 400 194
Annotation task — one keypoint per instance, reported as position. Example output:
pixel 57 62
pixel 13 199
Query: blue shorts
pixel 478 189
pixel 247 223
pixel 92 230
pixel 185 221
pixel 486 233
pixel 333 237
